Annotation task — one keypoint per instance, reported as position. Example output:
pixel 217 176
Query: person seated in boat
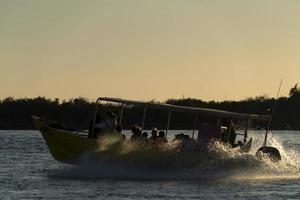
pixel 111 122
pixel 119 129
pixel 230 135
pixel 136 133
pixel 184 143
pixel 145 138
pixel 184 140
pixel 181 137
pixel 160 140
pixel 224 132
pixel 96 127
pixel 103 125
pixel 153 135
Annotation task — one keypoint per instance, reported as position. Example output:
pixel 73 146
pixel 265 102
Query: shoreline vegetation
pixel 76 113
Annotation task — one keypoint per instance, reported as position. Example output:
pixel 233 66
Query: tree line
pixel 77 113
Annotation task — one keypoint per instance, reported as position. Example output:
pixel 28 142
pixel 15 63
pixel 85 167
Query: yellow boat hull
pixel 69 147
pixel 65 146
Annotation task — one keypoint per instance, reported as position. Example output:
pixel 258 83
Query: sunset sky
pixel 143 50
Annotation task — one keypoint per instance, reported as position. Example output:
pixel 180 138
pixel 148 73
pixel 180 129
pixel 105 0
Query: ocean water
pixel 28 171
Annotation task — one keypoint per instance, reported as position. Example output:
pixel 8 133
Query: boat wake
pixel 287 169
pixel 220 162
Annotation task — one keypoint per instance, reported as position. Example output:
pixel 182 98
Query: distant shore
pixel 15 113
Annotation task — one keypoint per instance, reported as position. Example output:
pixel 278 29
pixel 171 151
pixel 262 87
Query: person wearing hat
pixel 153 135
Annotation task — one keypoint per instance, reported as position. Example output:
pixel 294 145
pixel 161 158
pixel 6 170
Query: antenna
pixel 271 117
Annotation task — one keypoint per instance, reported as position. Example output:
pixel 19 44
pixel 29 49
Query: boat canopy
pixel 192 110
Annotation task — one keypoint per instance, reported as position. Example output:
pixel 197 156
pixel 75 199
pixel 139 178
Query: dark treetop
pixel 75 113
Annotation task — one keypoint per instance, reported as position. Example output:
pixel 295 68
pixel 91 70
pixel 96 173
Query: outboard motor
pixel 268 152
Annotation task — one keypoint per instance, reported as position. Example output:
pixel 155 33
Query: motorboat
pixel 71 146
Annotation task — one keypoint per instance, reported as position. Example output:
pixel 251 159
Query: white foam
pixel 220 162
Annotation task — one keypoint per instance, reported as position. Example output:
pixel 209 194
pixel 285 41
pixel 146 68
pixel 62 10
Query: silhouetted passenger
pixel 186 137
pixel 145 135
pixel 229 135
pixel 161 134
pixel 111 122
pixel 179 136
pixel 96 126
pixel 232 134
pixel 153 136
pixel 160 140
pixel 136 133
pixel 145 138
pixel 225 131
pixel 102 125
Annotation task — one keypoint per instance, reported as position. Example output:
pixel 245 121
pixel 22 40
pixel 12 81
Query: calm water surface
pixel 27 171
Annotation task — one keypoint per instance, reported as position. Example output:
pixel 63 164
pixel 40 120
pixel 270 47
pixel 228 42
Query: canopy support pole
pixel 94 120
pixel 194 126
pixel 144 117
pixel 168 123
pixel 121 115
pixel 246 131
pixel 266 135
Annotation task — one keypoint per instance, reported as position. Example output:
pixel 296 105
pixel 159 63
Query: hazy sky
pixel 213 50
